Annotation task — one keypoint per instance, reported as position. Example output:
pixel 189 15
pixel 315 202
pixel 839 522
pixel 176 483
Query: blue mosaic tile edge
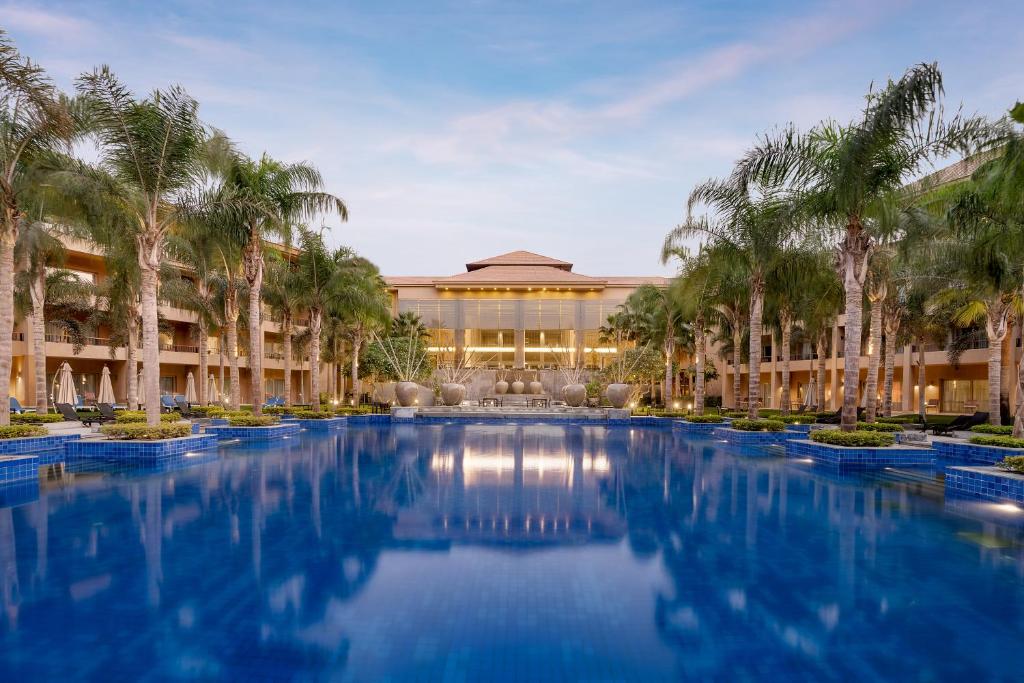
pixel 31 444
pixel 962 451
pixel 889 456
pixel 735 436
pixel 268 433
pixel 128 450
pixel 985 483
pixel 18 467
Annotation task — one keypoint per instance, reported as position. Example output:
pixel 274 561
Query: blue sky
pixel 459 130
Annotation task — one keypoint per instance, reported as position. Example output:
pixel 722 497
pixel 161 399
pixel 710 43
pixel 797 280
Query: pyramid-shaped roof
pixel 519 258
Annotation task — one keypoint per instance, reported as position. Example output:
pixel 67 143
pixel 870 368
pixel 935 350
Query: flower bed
pixel 124 449
pixel 21 431
pixel 856 439
pixel 311 414
pixel 207 411
pixel 35 418
pixel 136 416
pixel 319 420
pixel 744 425
pixel 133 431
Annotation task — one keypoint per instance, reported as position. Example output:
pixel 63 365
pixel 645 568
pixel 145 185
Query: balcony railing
pixel 179 348
pixel 65 339
pixel 17 336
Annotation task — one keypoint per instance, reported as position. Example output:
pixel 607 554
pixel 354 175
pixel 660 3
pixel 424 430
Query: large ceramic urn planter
pixel 517 387
pixel 452 394
pixel 406 393
pixel 575 394
pixel 536 387
pixel 501 387
pixel 618 394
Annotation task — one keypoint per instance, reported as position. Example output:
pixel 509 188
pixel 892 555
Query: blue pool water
pixel 486 552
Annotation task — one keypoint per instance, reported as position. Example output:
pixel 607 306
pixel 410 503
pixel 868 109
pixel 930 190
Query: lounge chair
pixel 182 405
pixel 167 402
pixel 16 406
pixel 71 415
pixel 959 423
pixel 837 417
pixel 106 411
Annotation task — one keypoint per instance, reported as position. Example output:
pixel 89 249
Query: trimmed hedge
pixel 21 431
pixel 353 410
pixel 35 418
pixel 899 419
pixel 274 410
pixel 1012 463
pixel 253 421
pixel 879 427
pixel 228 414
pixel 796 419
pixel 735 413
pixel 855 439
pixel 312 414
pixel 133 416
pixel 705 419
pixel 668 413
pixel 1002 441
pixel 1000 430
pixel 134 431
pixel 207 411
pixel 758 425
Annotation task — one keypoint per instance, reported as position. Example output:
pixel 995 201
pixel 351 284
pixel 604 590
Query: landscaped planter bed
pixel 18 467
pixel 121 449
pixel 262 433
pixel 966 452
pixel 804 428
pixel 321 425
pixel 861 456
pixel 985 483
pixel 698 428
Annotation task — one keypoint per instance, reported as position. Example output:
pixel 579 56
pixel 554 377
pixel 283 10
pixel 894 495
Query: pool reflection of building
pixel 518 485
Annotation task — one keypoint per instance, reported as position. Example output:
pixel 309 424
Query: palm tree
pixel 752 233
pixel 279 194
pixel 823 301
pixel 282 292
pixel 34 121
pixel 409 324
pixel 365 313
pixel 152 161
pixel 841 173
pixel 317 267
pixel 228 287
pixel 788 291
pixel 694 293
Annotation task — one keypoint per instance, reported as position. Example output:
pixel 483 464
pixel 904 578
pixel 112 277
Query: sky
pixel 456 131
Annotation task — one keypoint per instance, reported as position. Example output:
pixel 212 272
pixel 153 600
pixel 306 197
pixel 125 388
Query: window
pixel 167 385
pixel 963 395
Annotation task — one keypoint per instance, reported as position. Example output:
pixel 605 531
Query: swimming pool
pixel 494 552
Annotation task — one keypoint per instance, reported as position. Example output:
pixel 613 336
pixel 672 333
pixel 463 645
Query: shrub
pixel 228 414
pixel 1002 441
pixel 312 414
pixel 21 431
pixel 736 413
pixel 768 412
pixel 796 419
pixel 1012 463
pixel 899 419
pixel 758 425
pixel 856 439
pixel 274 410
pixel 35 418
pixel 132 416
pixel 879 427
pixel 353 410
pixel 135 431
pixel 208 411
pixel 1000 430
pixel 705 419
pixel 252 420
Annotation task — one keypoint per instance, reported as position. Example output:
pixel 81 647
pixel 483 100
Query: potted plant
pixel 517 383
pixel 406 361
pixel 501 386
pixel 454 376
pixel 619 391
pixel 574 392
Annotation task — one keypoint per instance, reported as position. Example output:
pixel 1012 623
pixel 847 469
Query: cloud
pixel 49 25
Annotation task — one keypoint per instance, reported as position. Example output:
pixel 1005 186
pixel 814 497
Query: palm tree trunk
pixel 754 362
pixel 357 344
pixel 995 376
pixel 890 367
pixel 7 240
pixel 232 341
pixel 787 333
pixel 220 345
pixel 315 321
pixel 921 385
pixel 737 357
pixel 820 398
pixel 1018 417
pixel 150 345
pixel 667 391
pixel 698 378
pixel 38 295
pixel 255 328
pixel 286 346
pixel 853 256
pixel 204 362
pixel 874 355
pixel 132 363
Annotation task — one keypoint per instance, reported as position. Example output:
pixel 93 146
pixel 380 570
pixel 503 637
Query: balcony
pixel 179 348
pixel 17 336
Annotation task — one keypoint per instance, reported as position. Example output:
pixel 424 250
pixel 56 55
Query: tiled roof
pixel 519 275
pixel 519 258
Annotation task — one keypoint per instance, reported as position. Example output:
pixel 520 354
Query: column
pixel 519 360
pixel 907 388
pixel 460 329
